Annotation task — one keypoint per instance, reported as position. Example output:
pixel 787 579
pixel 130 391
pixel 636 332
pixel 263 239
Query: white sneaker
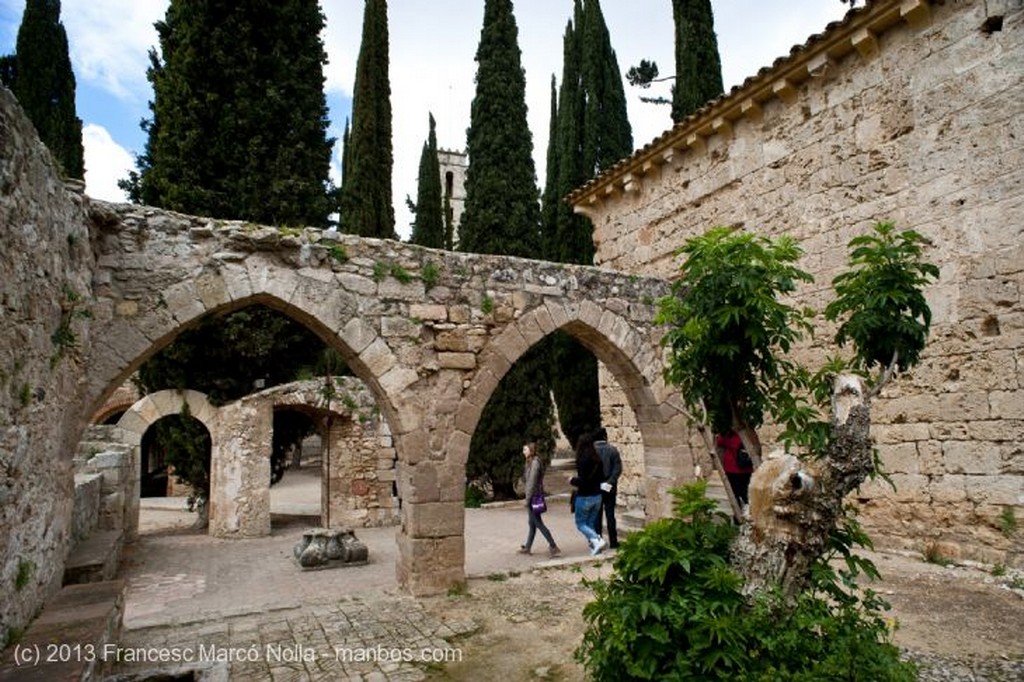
pixel 596 547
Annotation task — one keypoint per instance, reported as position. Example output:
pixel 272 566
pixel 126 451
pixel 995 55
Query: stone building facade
pixel 454 166
pixel 906 111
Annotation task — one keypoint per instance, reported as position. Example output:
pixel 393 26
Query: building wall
pixel 45 274
pixel 455 163
pixel 921 123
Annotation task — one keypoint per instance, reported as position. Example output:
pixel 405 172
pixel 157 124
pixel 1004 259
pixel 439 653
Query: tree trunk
pixel 795 504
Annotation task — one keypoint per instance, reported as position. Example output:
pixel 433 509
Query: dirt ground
pixel 949 618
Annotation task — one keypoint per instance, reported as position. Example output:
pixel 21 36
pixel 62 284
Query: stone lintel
pixel 432 312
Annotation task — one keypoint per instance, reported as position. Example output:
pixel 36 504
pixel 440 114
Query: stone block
pixel 972 457
pixel 435 520
pixel 378 357
pixel 397 379
pixel 399 326
pixel 997 490
pixel 1007 404
pixel 900 458
pixel 456 360
pixel 948 489
pixel 357 334
pixel 510 344
pixel 430 312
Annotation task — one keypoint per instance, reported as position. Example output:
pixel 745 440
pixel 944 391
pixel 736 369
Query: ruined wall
pixel 921 123
pixel 45 268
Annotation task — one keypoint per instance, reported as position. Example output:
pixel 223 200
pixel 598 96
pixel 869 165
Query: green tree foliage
pixel 501 213
pixel 186 445
pixel 591 132
pixel 698 66
pixel 366 202
pixel 239 114
pixel 728 323
pixel 887 316
pixel 518 412
pixel 502 216
pixel 42 80
pixel 224 357
pixel 673 610
pixel 8 66
pixel 428 228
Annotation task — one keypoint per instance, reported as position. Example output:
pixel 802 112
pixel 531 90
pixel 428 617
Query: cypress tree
pixel 550 197
pixel 698 66
pixel 44 84
pixel 501 213
pixel 239 114
pixel 428 228
pixel 502 216
pixel 593 133
pixel 366 201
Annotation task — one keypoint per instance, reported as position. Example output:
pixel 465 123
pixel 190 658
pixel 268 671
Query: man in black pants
pixel 612 461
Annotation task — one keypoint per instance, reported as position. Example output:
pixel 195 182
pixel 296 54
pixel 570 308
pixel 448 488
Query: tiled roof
pixel 858 30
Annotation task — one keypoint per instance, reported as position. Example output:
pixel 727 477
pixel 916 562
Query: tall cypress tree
pixel 501 213
pixel 366 201
pixel 239 114
pixel 593 133
pixel 502 216
pixel 44 83
pixel 698 66
pixel 428 227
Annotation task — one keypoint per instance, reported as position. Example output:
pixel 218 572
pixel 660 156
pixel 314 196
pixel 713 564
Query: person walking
pixel 736 464
pixel 611 462
pixel 533 474
pixel 588 479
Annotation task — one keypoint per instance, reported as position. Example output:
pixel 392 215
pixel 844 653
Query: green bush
pixel 475 497
pixel 673 610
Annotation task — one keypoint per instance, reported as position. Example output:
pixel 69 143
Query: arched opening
pixel 296 467
pixel 174 449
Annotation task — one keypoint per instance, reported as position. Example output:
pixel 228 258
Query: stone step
pixel 83 616
pixel 95 559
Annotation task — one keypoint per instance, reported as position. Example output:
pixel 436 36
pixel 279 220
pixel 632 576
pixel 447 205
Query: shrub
pixel 674 610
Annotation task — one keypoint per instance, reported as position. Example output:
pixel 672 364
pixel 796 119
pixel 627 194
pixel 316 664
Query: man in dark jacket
pixel 612 461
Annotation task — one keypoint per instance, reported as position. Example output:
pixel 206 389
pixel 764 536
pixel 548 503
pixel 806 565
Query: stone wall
pixel 45 269
pixel 910 112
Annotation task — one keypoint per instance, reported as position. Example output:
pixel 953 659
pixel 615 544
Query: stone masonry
pixel 907 111
pixel 91 290
pixel 359 461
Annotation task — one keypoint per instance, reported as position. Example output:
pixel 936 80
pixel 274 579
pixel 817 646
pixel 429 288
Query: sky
pixel 432 68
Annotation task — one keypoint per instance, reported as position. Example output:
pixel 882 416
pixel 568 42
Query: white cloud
pixel 106 162
pixel 109 41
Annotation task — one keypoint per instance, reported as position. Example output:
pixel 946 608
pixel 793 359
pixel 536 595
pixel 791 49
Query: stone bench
pixel 66 641
pixel 95 559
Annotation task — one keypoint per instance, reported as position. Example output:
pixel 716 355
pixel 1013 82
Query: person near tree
pixel 738 469
pixel 588 479
pixel 534 476
pixel 611 462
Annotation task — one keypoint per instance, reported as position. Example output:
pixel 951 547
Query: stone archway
pixel 139 418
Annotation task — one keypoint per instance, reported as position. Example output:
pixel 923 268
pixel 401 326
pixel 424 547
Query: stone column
pixel 240 471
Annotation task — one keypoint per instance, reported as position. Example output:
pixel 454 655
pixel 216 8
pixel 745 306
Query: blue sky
pixel 432 45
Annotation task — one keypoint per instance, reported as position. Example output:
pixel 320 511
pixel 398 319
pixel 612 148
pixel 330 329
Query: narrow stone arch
pixel 138 418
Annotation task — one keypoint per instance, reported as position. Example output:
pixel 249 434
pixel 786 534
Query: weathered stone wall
pixel 917 118
pixel 45 265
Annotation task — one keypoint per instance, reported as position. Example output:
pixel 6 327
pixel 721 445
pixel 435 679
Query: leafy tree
pixel 40 75
pixel 502 217
pixel 428 227
pixel 225 357
pixel 674 609
pixel 591 133
pixel 366 203
pixel 8 66
pixel 239 114
pixel 186 446
pixel 888 269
